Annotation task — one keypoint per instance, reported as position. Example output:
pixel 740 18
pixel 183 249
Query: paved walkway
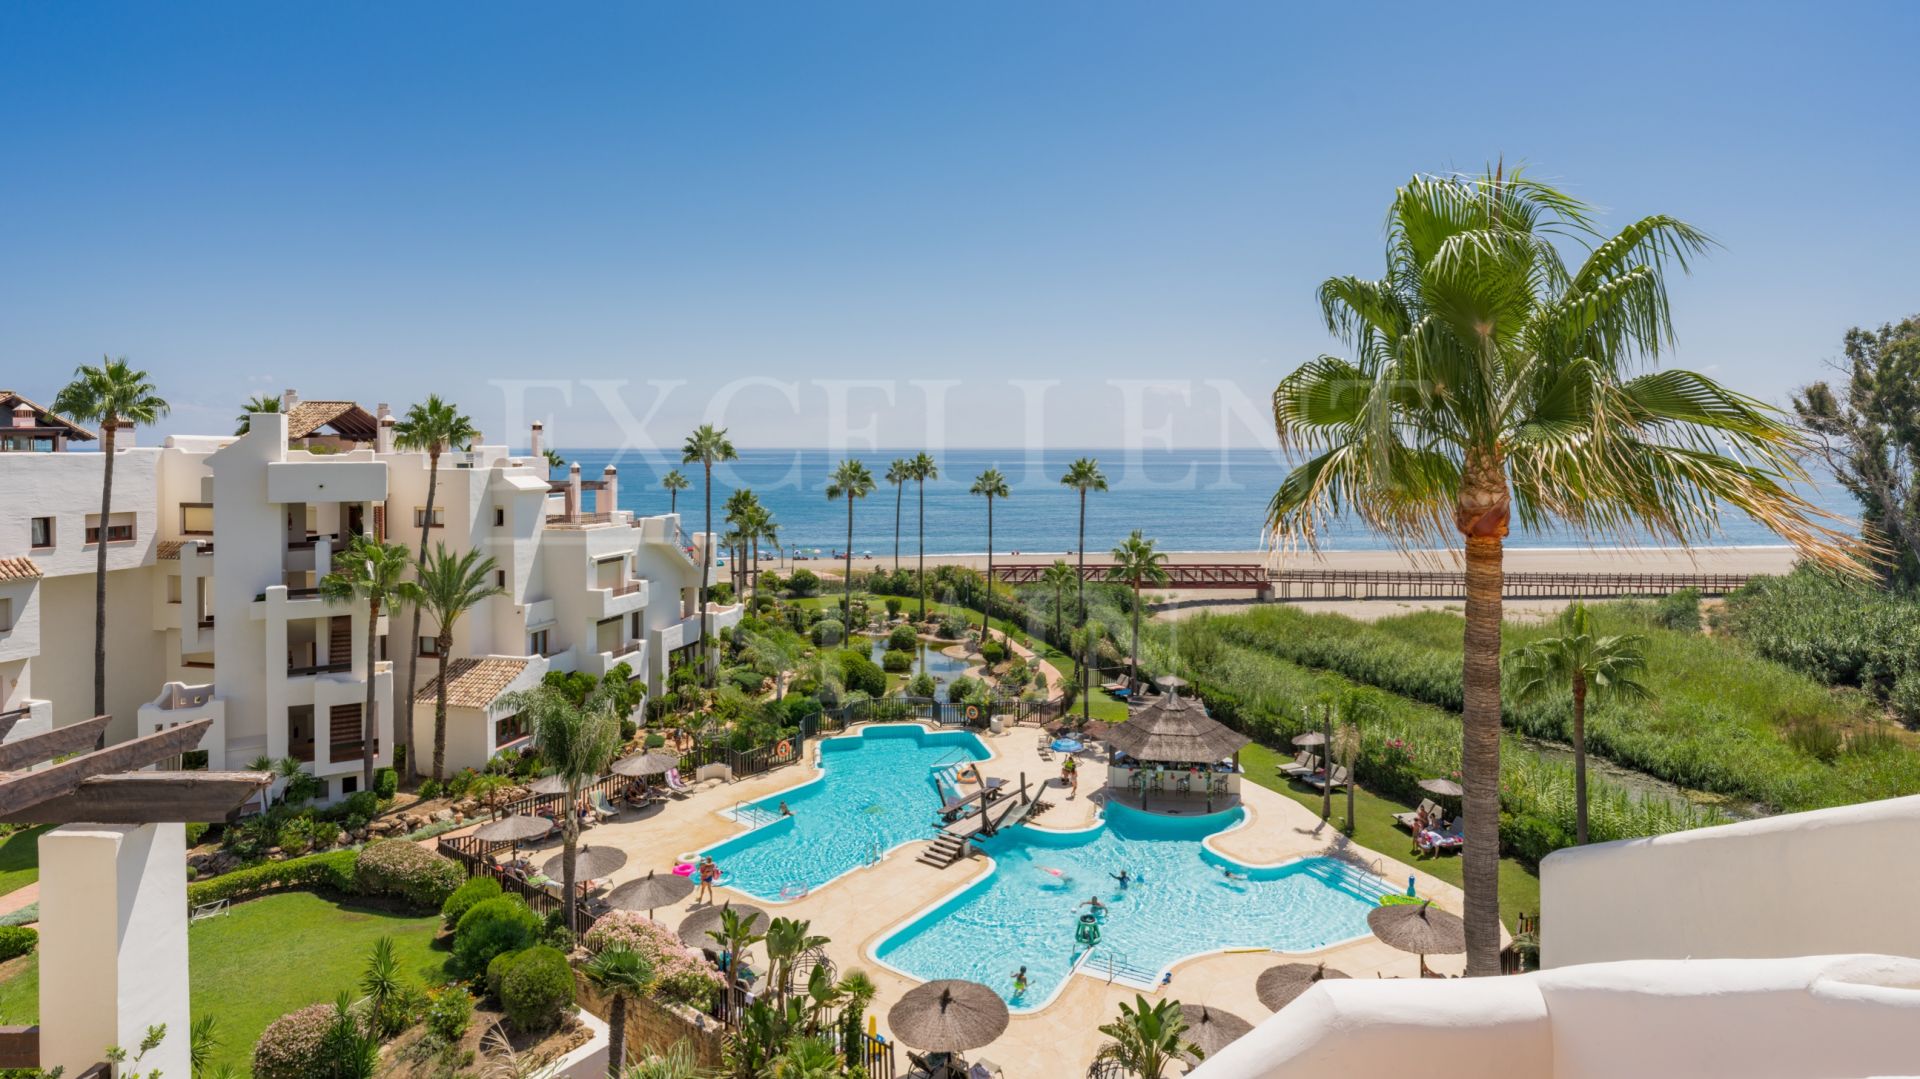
pixel 20 898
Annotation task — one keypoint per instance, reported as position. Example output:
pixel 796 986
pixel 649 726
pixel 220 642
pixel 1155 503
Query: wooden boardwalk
pixel 1400 584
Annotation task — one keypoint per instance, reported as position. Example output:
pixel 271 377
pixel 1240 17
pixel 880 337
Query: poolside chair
pixel 1333 780
pixel 675 785
pixel 1302 764
pixel 1405 820
pixel 1455 835
pixel 603 807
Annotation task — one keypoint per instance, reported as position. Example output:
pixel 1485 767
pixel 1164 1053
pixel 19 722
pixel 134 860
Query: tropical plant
pixel 1610 665
pixel 203 1040
pixel 787 939
pixel 450 586
pixel 350 1048
pixel 676 1061
pixel 1148 1038
pixel 924 469
pixel 1057 577
pixel 1084 476
pixel 105 395
pixel 898 473
pixel 708 445
pixel 375 574
pixel 432 426
pixel 735 933
pixel 990 484
pixel 850 480
pixel 624 975
pixel 577 741
pixel 806 1058
pixel 261 402
pixel 1137 563
pixel 553 459
pixel 1489 378
pixel 674 483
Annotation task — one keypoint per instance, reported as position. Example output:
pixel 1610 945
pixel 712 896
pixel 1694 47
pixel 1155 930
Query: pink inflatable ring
pixel 684 869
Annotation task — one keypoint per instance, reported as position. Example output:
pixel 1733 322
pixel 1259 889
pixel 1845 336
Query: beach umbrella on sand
pixel 693 931
pixel 1311 738
pixel 547 785
pixel 1212 1029
pixel 1282 985
pixel 1446 788
pixel 645 764
pixel 948 1016
pixel 516 829
pixel 650 891
pixel 1423 930
pixel 589 863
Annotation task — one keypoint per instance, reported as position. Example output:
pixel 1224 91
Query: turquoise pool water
pixel 875 793
pixel 1180 903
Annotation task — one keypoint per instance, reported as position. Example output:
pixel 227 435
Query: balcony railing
pixel 625 648
pixel 206 622
pixel 349 750
pixel 320 668
pixel 624 588
pixel 577 520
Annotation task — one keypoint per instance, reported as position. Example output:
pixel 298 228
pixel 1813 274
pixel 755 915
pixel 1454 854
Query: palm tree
pixel 735 934
pixel 1084 475
pixel 1137 563
pixel 811 1057
pixel 105 395
pixel 707 444
pixel 624 975
pixel 898 473
pixel 1609 666
pixel 992 485
pixel 1489 379
pixel 450 587
pixel 674 483
pixel 432 426
pixel 577 741
pixel 1148 1038
pixel 850 480
pixel 553 459
pixel 761 526
pixel 262 402
pixel 787 939
pixel 375 574
pixel 924 469
pixel 381 983
pixel 1057 577
pixel 738 512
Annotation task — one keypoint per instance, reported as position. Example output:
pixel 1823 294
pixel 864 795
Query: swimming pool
pixel 1181 903
pixel 875 793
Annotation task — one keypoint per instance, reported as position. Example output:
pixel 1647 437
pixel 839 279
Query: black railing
pixel 319 668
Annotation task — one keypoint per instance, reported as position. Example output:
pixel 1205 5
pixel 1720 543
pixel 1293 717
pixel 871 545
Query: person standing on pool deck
pixel 709 872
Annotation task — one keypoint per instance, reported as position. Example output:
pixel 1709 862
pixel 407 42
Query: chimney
pixel 383 440
pixel 123 435
pixel 381 411
pixel 23 417
pixel 573 488
pixel 539 430
pixel 608 499
pixel 288 399
pixel 475 442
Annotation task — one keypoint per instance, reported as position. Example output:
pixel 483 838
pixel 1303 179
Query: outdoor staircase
pixel 947 849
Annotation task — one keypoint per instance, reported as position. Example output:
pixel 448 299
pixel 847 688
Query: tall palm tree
pixel 1057 577
pixel 707 444
pixel 577 741
pixel 738 511
pixel 105 395
pixel 1084 476
pixel 450 587
pixel 1489 378
pixel 1148 1038
pixel 1137 563
pixel 624 975
pixel 898 473
pixel 674 483
pixel 260 402
pixel 990 484
pixel 924 469
pixel 760 525
pixel 375 574
pixel 432 426
pixel 553 459
pixel 1603 666
pixel 850 480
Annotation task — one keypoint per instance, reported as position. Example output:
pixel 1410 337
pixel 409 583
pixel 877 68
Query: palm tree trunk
pixel 108 427
pixel 1136 638
pixel 569 839
pixel 368 727
pixel 921 571
pixel 401 737
pixel 899 495
pixel 673 501
pixel 617 1035
pixel 706 569
pixel 1580 759
pixel 1086 674
pixel 1480 754
pixel 1326 732
pixel 440 710
pixel 846 615
pixel 986 602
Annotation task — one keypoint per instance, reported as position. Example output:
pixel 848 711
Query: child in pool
pixel 1020 982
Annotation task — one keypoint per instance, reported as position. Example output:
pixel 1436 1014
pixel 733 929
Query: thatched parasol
pixel 645 764
pixel 589 863
pixel 1282 985
pixel 518 828
pixel 1175 729
pixel 1212 1029
pixel 1446 788
pixel 1311 738
pixel 1423 929
pixel 547 785
pixel 650 891
pixel 693 931
pixel 948 1016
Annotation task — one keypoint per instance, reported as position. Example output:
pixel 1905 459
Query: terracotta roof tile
pixel 18 569
pixel 344 416
pixel 472 683
pixel 9 400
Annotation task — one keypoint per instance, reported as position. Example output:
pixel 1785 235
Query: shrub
pixel 429 789
pixel 893 606
pixel 828 632
pixel 962 688
pixel 330 872
pixel 497 970
pixel 655 740
pixel 293 1045
pixel 681 974
pixel 386 783
pixel 896 662
pixel 993 652
pixel 407 871
pixel 475 890
pixel 492 927
pixel 922 685
pixel 1679 611
pixel 804 582
pixel 449 1013
pixel 362 804
pixel 537 989
pixel 953 627
pixel 16 941
pixel 195 831
pixel 861 674
pixel 903 638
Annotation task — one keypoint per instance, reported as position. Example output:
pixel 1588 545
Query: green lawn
pixel 267 957
pixel 20 858
pixel 1519 886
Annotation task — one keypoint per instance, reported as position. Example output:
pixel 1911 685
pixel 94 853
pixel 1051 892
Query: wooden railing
pixel 1400 584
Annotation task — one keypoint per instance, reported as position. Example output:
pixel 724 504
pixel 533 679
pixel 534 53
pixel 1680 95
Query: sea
pixel 1185 500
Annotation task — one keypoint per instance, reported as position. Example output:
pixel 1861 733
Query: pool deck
pixel 857 911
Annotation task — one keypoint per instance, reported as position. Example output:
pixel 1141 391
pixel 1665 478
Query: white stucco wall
pixel 1823 882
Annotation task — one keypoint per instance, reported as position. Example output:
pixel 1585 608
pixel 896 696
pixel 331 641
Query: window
pixel 439 516
pixel 196 518
pixel 500 578
pixel 538 642
pixel 349 784
pixel 6 614
pixel 499 517
pixel 173 588
pixel 42 532
pixel 119 528
pixel 509 729
pixel 429 646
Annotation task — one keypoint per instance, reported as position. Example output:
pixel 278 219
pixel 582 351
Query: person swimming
pixel 1231 875
pixel 1020 981
pixel 1122 877
pixel 784 811
pixel 1095 904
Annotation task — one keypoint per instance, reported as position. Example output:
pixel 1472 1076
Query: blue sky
pixel 381 200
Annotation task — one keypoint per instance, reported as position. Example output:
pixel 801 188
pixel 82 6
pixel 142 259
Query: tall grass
pixel 1838 632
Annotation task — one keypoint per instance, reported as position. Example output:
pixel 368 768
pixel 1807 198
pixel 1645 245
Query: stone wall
pixel 654 1026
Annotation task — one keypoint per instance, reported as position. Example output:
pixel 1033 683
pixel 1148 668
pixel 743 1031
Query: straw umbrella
pixel 694 931
pixel 948 1016
pixel 592 863
pixel 650 891
pixel 1446 788
pixel 547 785
pixel 1423 930
pixel 514 830
pixel 645 764
pixel 1212 1029
pixel 1282 985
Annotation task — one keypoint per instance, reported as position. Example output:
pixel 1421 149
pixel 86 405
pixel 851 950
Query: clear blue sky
pixel 382 200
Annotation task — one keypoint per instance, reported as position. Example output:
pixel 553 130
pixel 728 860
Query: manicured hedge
pixel 409 871
pixel 292 1046
pixel 475 890
pixel 16 941
pixel 536 988
pixel 492 927
pixel 329 872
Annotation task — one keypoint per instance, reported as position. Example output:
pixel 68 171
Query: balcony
pixel 578 520
pixel 319 668
pixel 619 598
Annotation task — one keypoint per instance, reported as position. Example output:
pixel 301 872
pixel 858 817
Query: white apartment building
pixel 216 546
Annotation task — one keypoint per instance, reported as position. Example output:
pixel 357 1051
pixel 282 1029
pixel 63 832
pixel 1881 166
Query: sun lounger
pixel 1405 820
pixel 1455 835
pixel 675 785
pixel 1303 764
pixel 1325 781
pixel 603 807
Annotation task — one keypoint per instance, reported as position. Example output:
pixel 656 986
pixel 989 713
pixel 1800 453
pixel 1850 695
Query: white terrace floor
pixel 858 910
